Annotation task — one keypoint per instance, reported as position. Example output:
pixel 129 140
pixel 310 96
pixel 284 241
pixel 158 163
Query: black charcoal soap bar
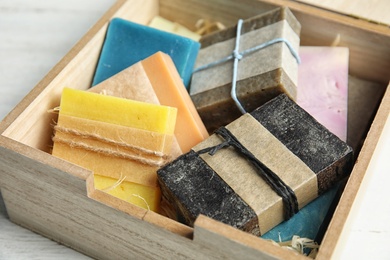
pixel 322 151
pixel 234 187
pixel 195 188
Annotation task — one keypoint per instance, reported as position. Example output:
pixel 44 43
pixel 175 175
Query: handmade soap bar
pixel 159 83
pixel 145 197
pixel 163 24
pixel 323 86
pixel 322 92
pixel 118 111
pixel 261 74
pixel 127 43
pixel 114 137
pixel 258 170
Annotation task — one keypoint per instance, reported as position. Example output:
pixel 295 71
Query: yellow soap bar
pixel 86 134
pixel 165 25
pixel 142 196
pixel 120 111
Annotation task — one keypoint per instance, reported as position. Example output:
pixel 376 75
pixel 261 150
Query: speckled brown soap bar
pixel 261 76
pixel 258 170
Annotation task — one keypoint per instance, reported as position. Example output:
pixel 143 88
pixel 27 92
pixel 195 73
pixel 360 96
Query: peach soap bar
pixel 156 80
pixel 323 86
pixel 126 43
pixel 118 139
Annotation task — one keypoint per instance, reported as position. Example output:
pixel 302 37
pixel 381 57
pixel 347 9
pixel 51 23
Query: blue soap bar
pixel 307 222
pixel 127 43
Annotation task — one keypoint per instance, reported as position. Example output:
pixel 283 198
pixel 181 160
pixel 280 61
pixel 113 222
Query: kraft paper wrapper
pixel 243 178
pixel 267 59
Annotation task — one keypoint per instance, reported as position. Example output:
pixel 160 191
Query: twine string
pixel 290 202
pixel 237 56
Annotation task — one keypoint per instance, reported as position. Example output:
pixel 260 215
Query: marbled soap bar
pixel 127 43
pixel 261 75
pixel 156 80
pixel 258 170
pixel 323 86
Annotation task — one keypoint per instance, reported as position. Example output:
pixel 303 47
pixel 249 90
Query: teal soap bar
pixel 127 43
pixel 308 221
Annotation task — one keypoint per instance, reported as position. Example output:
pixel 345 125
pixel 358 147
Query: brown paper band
pixel 222 74
pixel 242 177
pixel 290 203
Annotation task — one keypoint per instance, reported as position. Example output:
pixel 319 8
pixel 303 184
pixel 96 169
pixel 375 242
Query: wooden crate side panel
pixel 343 209
pixel 30 122
pixel 236 244
pixel 225 11
pixel 368 43
pixel 54 204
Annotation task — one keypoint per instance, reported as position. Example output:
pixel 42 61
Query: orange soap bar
pixel 169 90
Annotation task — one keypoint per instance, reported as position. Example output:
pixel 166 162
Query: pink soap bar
pixel 323 86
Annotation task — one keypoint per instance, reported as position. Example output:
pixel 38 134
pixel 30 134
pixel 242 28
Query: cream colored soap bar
pixel 163 24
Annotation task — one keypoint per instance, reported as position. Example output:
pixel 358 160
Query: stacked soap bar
pixel 156 80
pixel 118 139
pixel 261 75
pixel 127 43
pixel 258 170
pixel 323 93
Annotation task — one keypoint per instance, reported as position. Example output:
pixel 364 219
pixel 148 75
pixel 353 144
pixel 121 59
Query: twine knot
pixel 290 202
pixel 237 55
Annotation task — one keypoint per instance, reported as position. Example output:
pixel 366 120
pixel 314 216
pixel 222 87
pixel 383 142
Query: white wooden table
pixel 35 35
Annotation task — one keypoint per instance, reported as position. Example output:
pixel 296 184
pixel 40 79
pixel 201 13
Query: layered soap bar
pixel 127 43
pixel 257 171
pixel 119 139
pixel 261 75
pixel 156 80
pixel 323 86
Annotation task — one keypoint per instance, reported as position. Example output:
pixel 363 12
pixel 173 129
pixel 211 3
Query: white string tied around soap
pixel 237 56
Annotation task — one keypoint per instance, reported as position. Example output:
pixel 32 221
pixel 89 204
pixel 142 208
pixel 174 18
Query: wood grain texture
pixel 370 60
pixel 34 37
pixel 376 11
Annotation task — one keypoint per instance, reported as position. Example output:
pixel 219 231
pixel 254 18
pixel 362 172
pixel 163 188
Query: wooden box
pixel 54 198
